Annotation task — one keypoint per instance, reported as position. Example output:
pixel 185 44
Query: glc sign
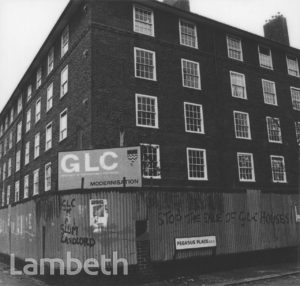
pixel 107 168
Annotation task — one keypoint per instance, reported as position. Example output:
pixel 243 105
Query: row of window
pixel 50 66
pixel 143 23
pixel 145 68
pixel 36 185
pixel 7 168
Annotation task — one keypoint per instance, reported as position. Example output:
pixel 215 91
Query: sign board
pixel 98 214
pixel 195 242
pixel 106 168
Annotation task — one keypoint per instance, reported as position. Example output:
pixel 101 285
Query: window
pixel 274 130
pixel 5 146
pixel 1 130
pixel 150 161
pixel 145 64
pixel 48 177
pixel 26 186
pixel 49 97
pixel 19 104
pixel 9 167
pixel 29 92
pixel 193 116
pixel 295 94
pixel 6 123
pixel 278 169
pixel 37 145
pixel 265 57
pixel 48 144
pixel 0 151
pixel 50 65
pixel 38 78
pixel 19 131
pixel 143 21
pixel 190 74
pixel 28 120
pixel 188 34
pixel 65 41
pixel 10 140
pixel 196 162
pixel 36 182
pixel 3 198
pixel 292 66
pixel 17 191
pixel 18 161
pixel 37 110
pixel 246 167
pixel 297 129
pixel 63 125
pixel 4 171
pixel 242 125
pixel 27 153
pixel 146 111
pixel 11 115
pixel 8 195
pixel 64 81
pixel 234 47
pixel 269 90
pixel 238 85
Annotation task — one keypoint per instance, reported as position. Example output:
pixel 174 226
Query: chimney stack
pixel 182 4
pixel 276 29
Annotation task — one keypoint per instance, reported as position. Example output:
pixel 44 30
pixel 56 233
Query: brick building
pixel 215 109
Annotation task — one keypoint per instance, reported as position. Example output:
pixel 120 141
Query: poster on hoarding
pixel 98 214
pixel 297 213
pixel 106 168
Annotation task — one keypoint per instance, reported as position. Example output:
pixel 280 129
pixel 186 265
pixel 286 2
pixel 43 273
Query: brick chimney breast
pixel 276 29
pixel 182 4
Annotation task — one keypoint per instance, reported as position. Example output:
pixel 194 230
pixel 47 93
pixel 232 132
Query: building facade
pixel 216 111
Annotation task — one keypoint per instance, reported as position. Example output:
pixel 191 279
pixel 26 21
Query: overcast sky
pixel 25 24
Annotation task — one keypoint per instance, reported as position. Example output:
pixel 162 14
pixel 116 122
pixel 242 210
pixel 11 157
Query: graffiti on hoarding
pixel 243 217
pixel 69 230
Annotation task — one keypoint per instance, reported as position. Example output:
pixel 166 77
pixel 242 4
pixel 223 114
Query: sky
pixel 25 24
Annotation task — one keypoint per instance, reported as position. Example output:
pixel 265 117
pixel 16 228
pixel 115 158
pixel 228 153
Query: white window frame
pixel 49 103
pixel 252 167
pixel 50 61
pixel 181 21
pixel 8 195
pixel 61 131
pixel 262 56
pixel 135 29
pixel 19 132
pixel 199 131
pixel 17 191
pixel 137 96
pixel 154 64
pixel 158 166
pixel 29 92
pixel 283 160
pixel 18 161
pixel 38 78
pixel 36 145
pixel 26 187
pixel 297 131
pixel 47 140
pixel 297 105
pixel 205 178
pixel 64 83
pixel 64 44
pixel 9 167
pixel 27 153
pixel 38 105
pixel 4 171
pixel 228 38
pixel 10 140
pixel 20 105
pixel 269 130
pixel 36 182
pixel 248 125
pixel 28 120
pixel 266 94
pixel 198 74
pixel 288 66
pixel 232 73
pixel 11 115
pixel 46 177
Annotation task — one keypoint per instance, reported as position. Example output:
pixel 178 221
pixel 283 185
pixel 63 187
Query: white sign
pixel 195 242
pixel 107 168
pixel 98 214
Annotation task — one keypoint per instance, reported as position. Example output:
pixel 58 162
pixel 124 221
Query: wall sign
pixel 107 168
pixel 195 242
pixel 98 214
